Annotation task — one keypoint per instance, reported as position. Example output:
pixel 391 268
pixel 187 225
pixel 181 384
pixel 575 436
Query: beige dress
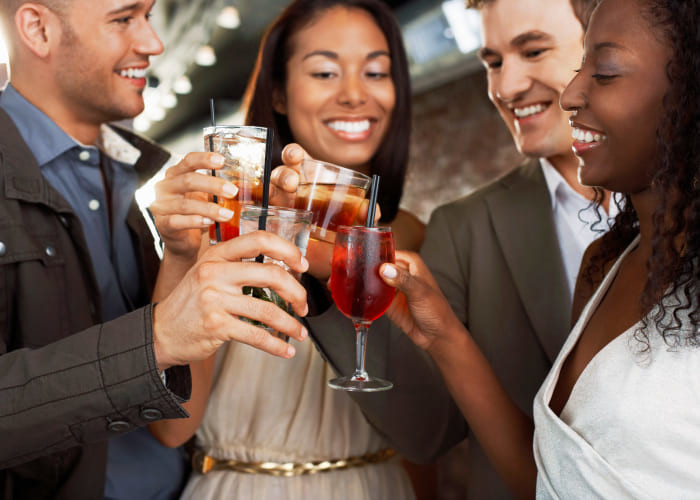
pixel 264 408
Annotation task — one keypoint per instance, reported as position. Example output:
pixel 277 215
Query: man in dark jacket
pixel 84 355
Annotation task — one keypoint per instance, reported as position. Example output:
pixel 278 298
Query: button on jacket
pixel 67 382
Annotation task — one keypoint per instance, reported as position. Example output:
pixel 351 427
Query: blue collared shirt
pixel 138 466
pixel 74 171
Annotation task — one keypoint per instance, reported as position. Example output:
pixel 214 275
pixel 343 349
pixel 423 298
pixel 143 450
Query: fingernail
pixel 290 351
pixel 306 311
pixel 230 189
pixel 207 221
pixel 389 271
pixel 225 213
pixel 216 160
pixel 304 333
pixel 304 262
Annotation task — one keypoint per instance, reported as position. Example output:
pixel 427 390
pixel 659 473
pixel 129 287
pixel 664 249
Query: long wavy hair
pixel 270 75
pixel 673 272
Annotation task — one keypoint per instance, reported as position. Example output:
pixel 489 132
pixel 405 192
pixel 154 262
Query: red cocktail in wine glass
pixel 360 293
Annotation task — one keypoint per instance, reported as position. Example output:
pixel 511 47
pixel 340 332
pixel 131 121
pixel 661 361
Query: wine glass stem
pixel 361 330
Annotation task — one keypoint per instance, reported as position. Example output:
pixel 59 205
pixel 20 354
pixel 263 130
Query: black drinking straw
pixel 211 148
pixel 373 192
pixel 262 221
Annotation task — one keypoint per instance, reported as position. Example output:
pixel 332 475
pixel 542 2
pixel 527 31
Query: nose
pixel 573 97
pixel 352 91
pixel 511 81
pixel 146 40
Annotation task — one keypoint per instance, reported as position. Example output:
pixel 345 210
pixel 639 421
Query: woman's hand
pixel 420 309
pixel 182 209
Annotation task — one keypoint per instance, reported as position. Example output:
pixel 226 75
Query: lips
pixel 135 75
pixel 351 129
pixel 522 112
pixel 586 139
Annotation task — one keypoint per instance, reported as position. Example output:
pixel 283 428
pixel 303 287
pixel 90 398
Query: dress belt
pixel 203 463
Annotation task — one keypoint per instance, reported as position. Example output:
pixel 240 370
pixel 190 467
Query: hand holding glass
pixel 243 149
pixel 360 293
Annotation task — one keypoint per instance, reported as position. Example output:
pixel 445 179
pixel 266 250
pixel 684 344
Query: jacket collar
pixel 22 176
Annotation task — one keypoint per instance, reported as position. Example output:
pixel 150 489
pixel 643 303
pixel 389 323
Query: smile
pixel 586 136
pixel 134 73
pixel 528 111
pixel 349 127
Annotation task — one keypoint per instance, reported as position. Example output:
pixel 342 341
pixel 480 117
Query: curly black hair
pixel 672 287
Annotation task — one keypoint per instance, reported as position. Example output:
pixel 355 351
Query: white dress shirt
pixel 575 221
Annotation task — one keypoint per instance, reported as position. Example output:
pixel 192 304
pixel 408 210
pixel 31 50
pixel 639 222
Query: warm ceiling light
pixel 229 18
pixel 465 25
pixel 182 85
pixel 205 56
pixel 155 113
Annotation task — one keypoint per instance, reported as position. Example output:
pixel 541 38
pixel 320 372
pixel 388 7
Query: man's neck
pixel 84 131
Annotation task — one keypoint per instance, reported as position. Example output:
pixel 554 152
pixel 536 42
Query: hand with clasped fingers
pixel 202 312
pixel 182 209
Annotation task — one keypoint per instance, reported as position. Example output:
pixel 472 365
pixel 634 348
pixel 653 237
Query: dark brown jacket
pixel 67 382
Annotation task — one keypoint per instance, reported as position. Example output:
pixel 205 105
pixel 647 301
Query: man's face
pixel 530 50
pixel 101 59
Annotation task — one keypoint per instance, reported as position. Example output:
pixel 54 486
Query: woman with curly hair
pixel 617 417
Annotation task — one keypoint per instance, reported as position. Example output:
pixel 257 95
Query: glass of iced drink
pixel 334 194
pixel 243 149
pixel 290 224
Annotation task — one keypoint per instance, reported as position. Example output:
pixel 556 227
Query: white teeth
pixel 586 136
pixel 133 73
pixel 529 110
pixel 350 127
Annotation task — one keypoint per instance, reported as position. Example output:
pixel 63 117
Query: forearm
pixel 87 387
pixel 175 432
pixel 503 430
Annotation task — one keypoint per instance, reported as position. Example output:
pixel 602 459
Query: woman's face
pixel 617 98
pixel 339 95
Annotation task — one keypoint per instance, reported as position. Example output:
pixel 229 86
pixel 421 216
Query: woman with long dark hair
pixel 332 76
pixel 617 415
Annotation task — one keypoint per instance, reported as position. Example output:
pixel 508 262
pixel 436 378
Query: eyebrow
pixel 518 41
pixel 334 55
pixel 608 45
pixel 128 7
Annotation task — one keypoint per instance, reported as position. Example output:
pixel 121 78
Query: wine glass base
pixel 370 384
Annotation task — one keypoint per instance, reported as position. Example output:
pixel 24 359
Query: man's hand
pixel 203 310
pixel 182 209
pixel 419 309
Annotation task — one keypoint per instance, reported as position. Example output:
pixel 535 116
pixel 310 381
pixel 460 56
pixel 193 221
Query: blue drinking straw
pixel 373 192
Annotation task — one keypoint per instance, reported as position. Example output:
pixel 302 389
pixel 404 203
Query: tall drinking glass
pixel 360 293
pixel 243 149
pixel 334 194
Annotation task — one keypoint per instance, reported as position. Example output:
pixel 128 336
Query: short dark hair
pixel 582 8
pixel 270 75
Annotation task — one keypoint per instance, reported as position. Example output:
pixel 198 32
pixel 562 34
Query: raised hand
pixel 420 309
pixel 202 311
pixel 182 210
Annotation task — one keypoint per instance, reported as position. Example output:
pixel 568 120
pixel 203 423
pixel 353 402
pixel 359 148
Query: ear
pixel 38 28
pixel 279 101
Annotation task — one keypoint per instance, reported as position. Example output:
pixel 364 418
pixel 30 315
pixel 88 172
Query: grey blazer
pixel 496 257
